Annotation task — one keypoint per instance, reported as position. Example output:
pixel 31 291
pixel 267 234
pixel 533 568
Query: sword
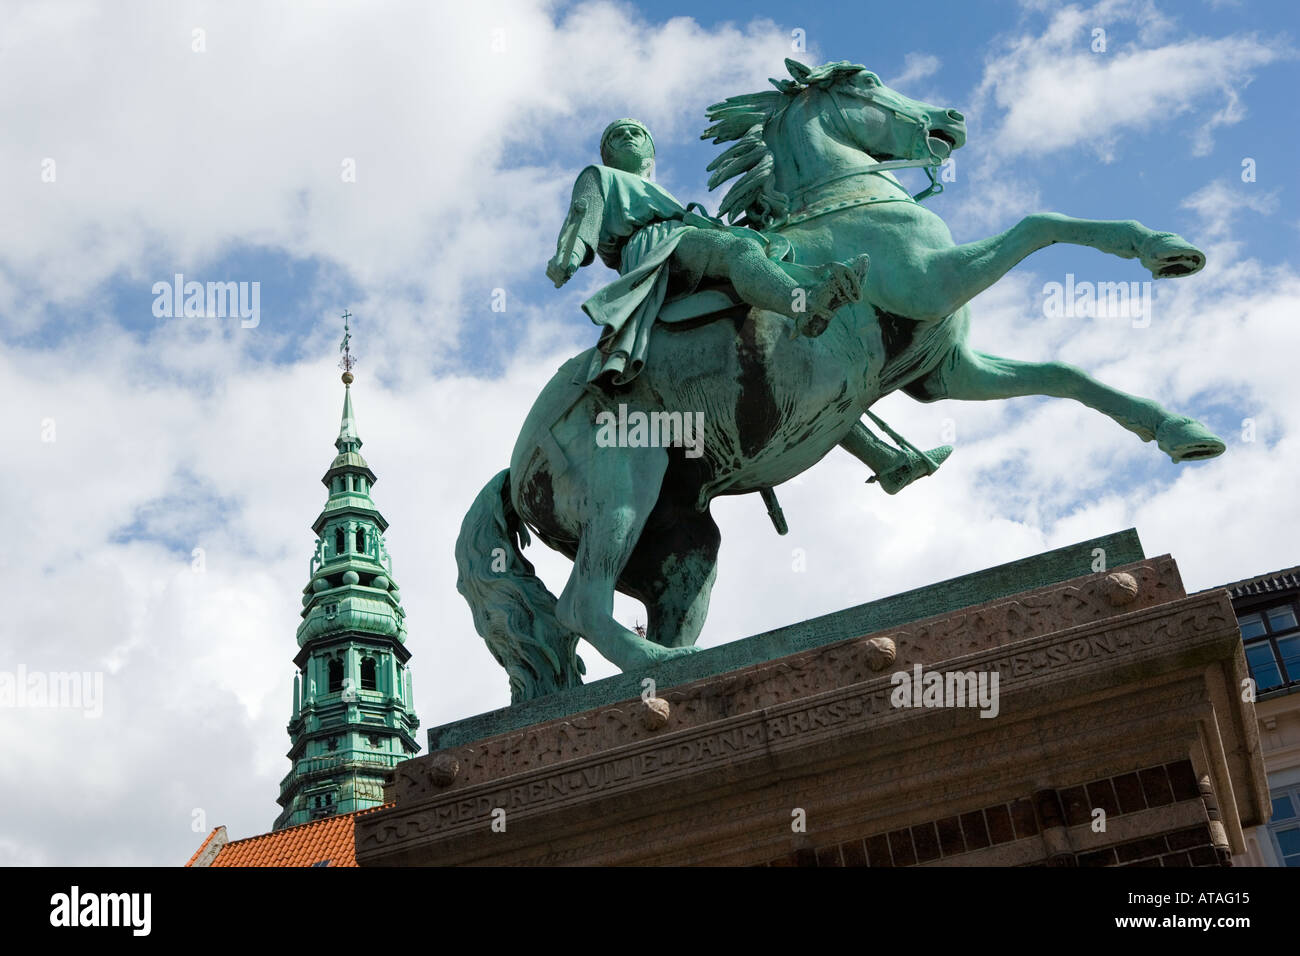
pixel 774 510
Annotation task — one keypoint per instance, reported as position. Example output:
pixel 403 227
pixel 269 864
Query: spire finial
pixel 345 347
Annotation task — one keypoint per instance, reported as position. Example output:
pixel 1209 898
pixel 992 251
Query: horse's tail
pixel 513 611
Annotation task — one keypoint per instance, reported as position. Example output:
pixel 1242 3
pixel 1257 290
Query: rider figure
pixel 637 227
pixel 661 248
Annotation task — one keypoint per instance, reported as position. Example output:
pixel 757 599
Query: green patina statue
pixel 637 227
pixel 663 250
pixel 735 355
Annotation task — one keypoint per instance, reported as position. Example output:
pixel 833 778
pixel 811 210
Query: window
pixel 323 805
pixel 1271 637
pixel 361 541
pixel 1285 825
pixel 338 541
pixel 1263 665
pixel 368 674
pixel 336 676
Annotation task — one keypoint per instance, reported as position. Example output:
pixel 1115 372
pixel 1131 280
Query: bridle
pixel 930 164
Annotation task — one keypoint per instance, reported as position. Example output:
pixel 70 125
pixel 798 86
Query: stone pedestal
pixel 1094 721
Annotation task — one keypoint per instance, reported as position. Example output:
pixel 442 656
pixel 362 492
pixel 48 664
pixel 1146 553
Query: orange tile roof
pixel 204 846
pixel 331 839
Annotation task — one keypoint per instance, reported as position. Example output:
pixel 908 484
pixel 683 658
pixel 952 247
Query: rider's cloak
pixel 634 225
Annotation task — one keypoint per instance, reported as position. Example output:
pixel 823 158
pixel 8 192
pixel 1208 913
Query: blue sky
pixel 1142 170
pixel 225 164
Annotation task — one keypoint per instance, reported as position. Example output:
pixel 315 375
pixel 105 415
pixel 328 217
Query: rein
pixel 930 164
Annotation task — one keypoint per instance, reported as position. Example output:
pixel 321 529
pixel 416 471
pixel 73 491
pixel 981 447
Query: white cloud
pixel 167 159
pixel 1217 203
pixel 916 67
pixel 1055 93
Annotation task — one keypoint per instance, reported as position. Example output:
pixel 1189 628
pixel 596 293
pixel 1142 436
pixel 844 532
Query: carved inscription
pixel 844 664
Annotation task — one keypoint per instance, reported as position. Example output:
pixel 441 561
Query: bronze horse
pixel 815 156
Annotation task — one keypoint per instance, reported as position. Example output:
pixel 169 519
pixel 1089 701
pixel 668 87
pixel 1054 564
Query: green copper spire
pixel 348 439
pixel 353 717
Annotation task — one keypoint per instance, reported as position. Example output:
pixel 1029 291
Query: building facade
pixel 1268 613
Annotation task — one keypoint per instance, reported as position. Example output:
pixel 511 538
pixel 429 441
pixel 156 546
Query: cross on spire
pixel 345 347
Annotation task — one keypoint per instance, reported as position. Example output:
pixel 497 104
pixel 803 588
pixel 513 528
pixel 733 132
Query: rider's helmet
pixel 608 149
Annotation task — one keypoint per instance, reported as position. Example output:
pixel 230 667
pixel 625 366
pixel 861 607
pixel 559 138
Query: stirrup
pixel 916 465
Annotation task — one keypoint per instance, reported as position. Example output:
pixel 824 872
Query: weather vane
pixel 345 347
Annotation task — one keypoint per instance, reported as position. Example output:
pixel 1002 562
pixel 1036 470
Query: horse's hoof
pixel 662 654
pixel 1167 256
pixel 1186 439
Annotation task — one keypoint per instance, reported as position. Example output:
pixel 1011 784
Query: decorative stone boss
pixel 769 334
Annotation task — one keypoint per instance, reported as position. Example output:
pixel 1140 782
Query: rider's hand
pixel 556 274
pixel 560 274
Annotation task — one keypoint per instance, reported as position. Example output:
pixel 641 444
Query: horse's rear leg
pixel 977 376
pixel 673 569
pixel 620 487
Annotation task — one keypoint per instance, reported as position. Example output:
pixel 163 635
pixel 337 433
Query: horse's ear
pixel 798 70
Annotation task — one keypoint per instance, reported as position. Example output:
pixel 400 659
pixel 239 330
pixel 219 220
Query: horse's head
pixel 827 119
pixel 887 125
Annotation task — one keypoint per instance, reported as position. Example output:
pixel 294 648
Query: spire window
pixel 368 678
pixel 336 676
pixel 361 541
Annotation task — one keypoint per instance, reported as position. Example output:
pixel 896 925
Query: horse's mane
pixel 743 118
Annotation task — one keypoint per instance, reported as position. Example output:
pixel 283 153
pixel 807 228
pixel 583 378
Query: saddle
pixel 704 305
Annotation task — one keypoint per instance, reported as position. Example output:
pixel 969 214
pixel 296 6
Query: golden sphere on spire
pixel 347 378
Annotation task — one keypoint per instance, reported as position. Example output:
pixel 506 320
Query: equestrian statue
pixel 736 351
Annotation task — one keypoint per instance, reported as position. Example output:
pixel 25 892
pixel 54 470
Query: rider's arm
pixel 579 237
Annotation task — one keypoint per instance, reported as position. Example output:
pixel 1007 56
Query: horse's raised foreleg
pixel 955 275
pixel 976 376
pixel 618 490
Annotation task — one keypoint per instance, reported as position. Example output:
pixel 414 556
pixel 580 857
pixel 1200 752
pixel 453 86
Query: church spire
pixel 353 716
pixel 348 439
